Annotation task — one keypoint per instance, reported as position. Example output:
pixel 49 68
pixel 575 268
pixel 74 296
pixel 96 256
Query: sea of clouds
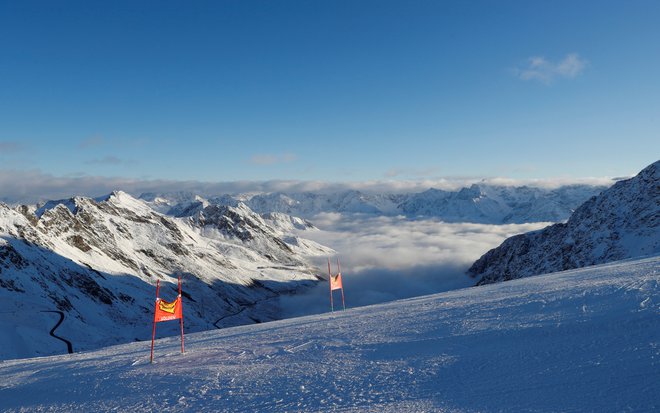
pixel 389 258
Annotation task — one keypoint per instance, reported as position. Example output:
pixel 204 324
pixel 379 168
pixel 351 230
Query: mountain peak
pixel 116 195
pixel 473 192
pixel 123 200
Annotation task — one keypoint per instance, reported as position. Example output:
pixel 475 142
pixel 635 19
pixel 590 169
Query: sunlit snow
pixel 582 340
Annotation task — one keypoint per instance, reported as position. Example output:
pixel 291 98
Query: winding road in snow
pixel 69 346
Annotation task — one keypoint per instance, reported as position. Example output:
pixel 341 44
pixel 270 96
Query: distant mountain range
pixel 97 261
pixel 480 203
pixel 622 222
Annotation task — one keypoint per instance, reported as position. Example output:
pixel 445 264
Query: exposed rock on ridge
pixel 620 223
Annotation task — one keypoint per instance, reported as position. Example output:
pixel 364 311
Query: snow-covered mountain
pixel 480 203
pixel 97 261
pixel 307 204
pixel 578 341
pixel 622 222
pixel 488 204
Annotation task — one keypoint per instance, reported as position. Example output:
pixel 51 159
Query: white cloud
pixel 31 186
pixel 387 258
pixel 571 66
pixel 272 159
pixel 398 242
pixel 540 69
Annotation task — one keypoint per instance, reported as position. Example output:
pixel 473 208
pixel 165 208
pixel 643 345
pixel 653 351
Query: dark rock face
pixel 620 223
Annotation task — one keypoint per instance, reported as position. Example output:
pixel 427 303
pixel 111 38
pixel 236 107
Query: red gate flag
pixel 166 311
pixel 335 282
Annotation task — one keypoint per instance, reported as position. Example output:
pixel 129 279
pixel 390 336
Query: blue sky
pixel 328 90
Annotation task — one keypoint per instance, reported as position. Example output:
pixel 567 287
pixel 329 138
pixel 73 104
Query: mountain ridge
pixel 622 222
pixel 97 260
pixel 479 203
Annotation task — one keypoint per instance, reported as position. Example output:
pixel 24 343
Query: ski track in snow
pixel 582 340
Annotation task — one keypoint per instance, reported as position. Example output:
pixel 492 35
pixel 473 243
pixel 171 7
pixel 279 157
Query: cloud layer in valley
pixel 388 258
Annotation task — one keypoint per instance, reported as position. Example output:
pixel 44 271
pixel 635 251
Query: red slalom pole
pixel 181 319
pixel 332 307
pixel 342 285
pixel 153 332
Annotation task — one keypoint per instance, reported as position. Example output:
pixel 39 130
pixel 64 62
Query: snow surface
pixel 581 340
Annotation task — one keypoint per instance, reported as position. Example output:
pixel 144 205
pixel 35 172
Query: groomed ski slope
pixel 582 340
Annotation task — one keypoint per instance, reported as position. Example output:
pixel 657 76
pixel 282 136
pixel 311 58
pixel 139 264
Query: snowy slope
pixel 480 203
pixel 582 340
pixel 622 222
pixel 97 262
